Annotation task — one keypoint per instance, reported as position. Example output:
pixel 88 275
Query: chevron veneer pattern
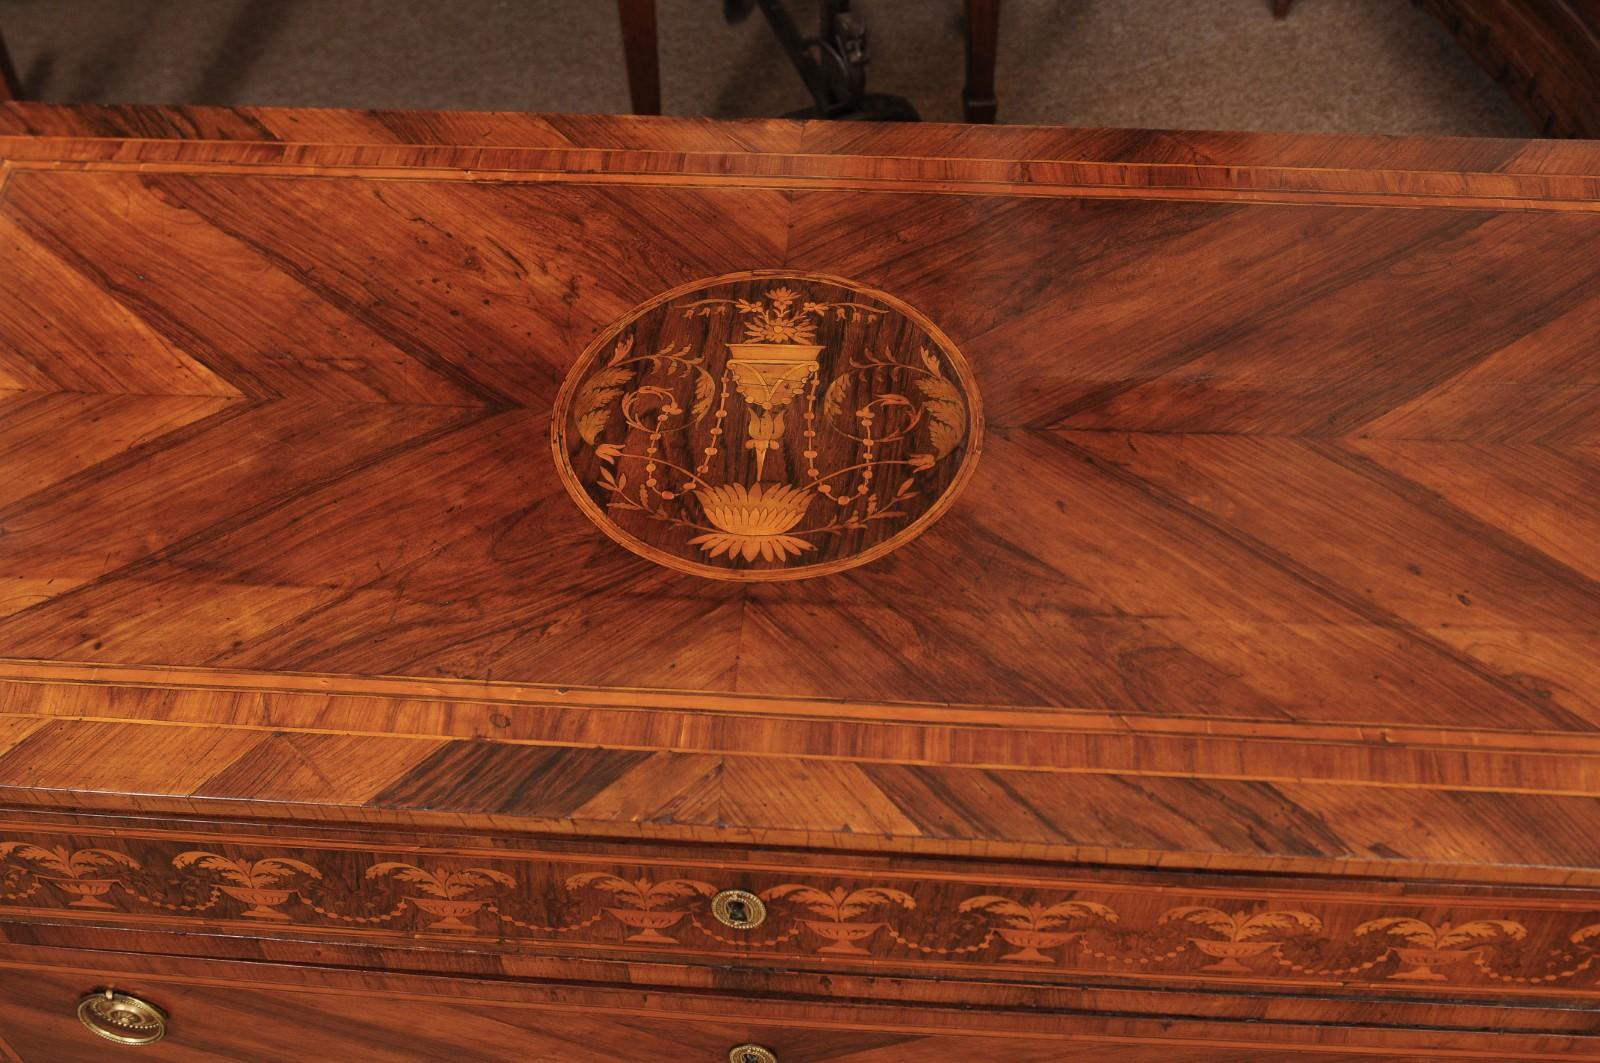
pixel 1257 655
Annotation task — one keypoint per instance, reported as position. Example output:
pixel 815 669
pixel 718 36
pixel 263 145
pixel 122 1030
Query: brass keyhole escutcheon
pixel 125 1019
pixel 739 909
pixel 752 1054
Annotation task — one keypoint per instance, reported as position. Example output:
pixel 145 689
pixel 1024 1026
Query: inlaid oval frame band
pixel 767 425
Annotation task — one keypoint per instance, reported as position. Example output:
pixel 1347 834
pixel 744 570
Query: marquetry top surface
pixel 767 425
pixel 1283 429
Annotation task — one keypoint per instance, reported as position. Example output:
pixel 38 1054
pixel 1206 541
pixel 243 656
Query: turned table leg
pixel 983 32
pixel 639 50
pixel 10 85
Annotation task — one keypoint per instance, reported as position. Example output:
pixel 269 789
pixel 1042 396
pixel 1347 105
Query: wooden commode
pixel 490 587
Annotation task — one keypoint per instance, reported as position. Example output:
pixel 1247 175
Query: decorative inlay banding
pixel 767 425
pixel 527 901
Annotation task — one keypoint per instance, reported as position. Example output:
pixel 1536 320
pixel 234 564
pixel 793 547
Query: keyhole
pixel 740 910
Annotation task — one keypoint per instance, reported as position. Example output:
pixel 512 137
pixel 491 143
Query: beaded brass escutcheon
pixel 767 425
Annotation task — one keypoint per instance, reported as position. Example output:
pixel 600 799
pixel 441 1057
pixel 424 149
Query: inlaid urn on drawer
pixel 490 587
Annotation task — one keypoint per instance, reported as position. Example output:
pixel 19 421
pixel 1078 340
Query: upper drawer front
pixel 1048 926
pixel 269 1013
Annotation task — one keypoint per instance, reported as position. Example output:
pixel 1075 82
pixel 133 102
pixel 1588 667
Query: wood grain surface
pixel 266 1012
pixel 1007 923
pixel 1279 564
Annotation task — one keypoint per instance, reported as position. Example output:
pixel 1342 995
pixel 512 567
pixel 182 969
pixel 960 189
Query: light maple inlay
pixel 445 557
pixel 767 425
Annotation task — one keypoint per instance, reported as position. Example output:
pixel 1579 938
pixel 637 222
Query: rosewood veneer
pixel 492 587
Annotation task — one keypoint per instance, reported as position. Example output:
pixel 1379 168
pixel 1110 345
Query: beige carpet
pixel 1333 65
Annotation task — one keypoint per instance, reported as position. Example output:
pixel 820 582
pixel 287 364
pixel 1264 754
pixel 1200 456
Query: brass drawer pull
pixel 122 1018
pixel 739 909
pixel 751 1054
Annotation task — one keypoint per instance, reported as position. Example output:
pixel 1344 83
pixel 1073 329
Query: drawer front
pixel 262 1013
pixel 1047 927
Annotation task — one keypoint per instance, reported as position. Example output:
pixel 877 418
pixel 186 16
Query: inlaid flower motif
pixel 643 906
pixel 752 521
pixel 780 323
pixel 839 908
pixel 1241 935
pixel 444 893
pixel 66 864
pixel 1035 927
pixel 84 874
pixel 1428 947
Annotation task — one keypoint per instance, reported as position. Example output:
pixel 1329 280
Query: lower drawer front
pixel 269 1024
pixel 247 1012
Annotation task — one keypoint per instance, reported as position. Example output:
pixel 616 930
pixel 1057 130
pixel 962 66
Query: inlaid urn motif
pixel 767 425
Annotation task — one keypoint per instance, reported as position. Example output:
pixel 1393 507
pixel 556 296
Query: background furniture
pixel 1545 53
pixel 1085 65
pixel 983 34
pixel 1242 704
pixel 10 86
pixel 982 22
pixel 638 18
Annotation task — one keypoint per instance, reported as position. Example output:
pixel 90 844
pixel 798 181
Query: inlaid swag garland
pixel 1239 939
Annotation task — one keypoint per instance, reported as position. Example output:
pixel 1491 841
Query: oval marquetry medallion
pixel 767 425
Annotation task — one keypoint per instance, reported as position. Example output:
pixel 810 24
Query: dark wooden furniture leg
pixel 983 33
pixel 1544 53
pixel 639 49
pixel 10 85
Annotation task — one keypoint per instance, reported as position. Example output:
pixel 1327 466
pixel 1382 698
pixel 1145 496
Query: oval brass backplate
pixel 739 909
pixel 751 1054
pixel 125 1019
